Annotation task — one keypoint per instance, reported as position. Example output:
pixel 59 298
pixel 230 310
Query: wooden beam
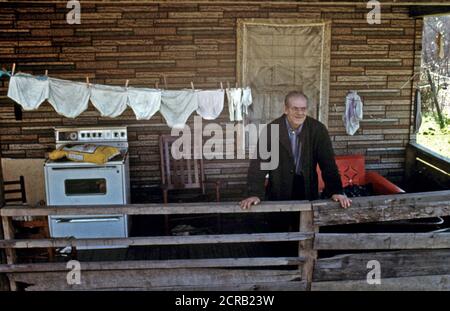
pixel 306 249
pixel 156 264
pixel 360 241
pixel 265 286
pixel 393 264
pixel 158 209
pixel 8 233
pixel 420 11
pixel 156 279
pixel 410 164
pixel 160 240
pixel 299 2
pixel 431 156
pixel 383 208
pixel 4 283
pixel 415 283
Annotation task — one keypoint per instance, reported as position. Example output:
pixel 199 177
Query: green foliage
pixel 432 136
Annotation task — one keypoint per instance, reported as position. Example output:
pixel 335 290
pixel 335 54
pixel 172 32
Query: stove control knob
pixel 94 134
pixel 73 136
pixel 82 135
pixel 99 134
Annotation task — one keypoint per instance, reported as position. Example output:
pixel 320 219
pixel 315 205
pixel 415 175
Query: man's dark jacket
pixel 316 149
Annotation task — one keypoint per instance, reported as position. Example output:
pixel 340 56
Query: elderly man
pixel 303 143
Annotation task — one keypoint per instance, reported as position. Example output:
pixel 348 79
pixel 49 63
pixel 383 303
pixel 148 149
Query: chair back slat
pixel 181 173
pixel 15 191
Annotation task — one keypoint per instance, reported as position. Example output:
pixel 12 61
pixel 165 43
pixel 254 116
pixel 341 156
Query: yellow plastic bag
pixel 85 153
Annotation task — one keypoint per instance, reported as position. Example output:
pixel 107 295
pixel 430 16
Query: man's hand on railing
pixel 341 198
pixel 247 203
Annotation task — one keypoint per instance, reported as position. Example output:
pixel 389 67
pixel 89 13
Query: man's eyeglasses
pixel 298 109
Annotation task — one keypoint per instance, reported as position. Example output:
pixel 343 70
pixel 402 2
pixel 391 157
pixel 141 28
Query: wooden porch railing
pixel 421 161
pixel 344 271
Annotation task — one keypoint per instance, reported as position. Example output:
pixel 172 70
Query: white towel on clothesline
pixel 28 91
pixel 68 98
pixel 110 101
pixel 239 99
pixel 144 102
pixel 210 103
pixel 177 106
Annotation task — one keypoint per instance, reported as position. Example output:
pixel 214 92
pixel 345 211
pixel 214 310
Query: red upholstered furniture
pixel 353 172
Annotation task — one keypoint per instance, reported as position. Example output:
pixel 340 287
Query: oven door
pixel 85 185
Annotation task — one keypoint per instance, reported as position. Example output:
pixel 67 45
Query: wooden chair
pixel 182 175
pixel 29 227
pixel 18 187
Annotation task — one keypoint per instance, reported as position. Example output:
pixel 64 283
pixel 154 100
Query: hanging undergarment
pixel 246 99
pixel 110 101
pixel 144 102
pixel 177 106
pixel 210 103
pixel 353 112
pixel 28 91
pixel 234 97
pixel 68 98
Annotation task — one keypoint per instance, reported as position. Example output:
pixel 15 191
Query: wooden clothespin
pixel 236 85
pixel 192 86
pixel 87 82
pixel 46 72
pixel 157 85
pixel 221 86
pixel 126 83
pixel 13 69
pixel 165 81
pixel 228 84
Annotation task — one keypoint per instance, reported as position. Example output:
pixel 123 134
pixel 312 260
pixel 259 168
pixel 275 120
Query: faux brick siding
pixel 197 42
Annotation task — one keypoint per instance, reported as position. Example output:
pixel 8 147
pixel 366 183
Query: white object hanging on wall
pixel 353 112
pixel 28 91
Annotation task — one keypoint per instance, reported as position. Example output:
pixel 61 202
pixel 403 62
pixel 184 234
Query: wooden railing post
pixel 8 234
pixel 306 248
pixel 3 279
pixel 410 164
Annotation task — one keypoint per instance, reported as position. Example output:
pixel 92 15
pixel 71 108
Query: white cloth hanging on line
pixel 234 97
pixel 239 99
pixel 68 98
pixel 110 101
pixel 418 112
pixel 177 106
pixel 144 102
pixel 28 91
pixel 210 103
pixel 353 112
pixel 247 99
